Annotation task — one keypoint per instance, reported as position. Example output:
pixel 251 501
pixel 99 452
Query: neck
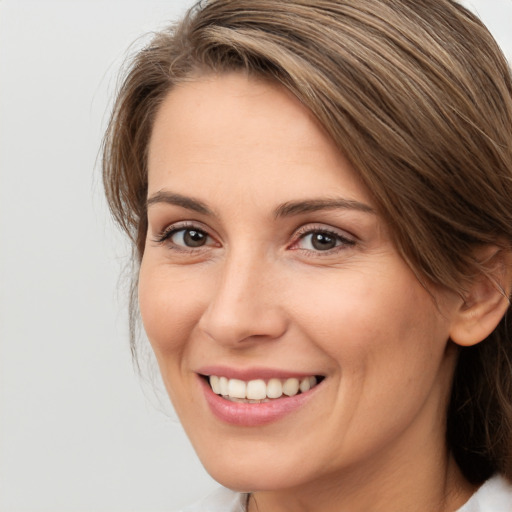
pixel 420 481
pixel 447 494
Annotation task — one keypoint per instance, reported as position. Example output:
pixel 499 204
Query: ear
pixel 487 300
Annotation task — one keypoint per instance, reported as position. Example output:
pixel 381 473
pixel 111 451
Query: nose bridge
pixel 245 303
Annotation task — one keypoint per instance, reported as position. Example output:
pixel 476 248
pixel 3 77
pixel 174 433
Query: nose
pixel 245 306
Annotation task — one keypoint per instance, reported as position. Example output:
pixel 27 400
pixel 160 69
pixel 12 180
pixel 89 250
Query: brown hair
pixel 418 96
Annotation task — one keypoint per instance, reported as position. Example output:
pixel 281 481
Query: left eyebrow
pixel 291 208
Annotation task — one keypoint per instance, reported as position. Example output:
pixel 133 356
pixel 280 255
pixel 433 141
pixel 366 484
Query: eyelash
pixel 342 241
pixel 165 236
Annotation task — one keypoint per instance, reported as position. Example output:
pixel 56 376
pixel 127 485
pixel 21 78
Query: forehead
pixel 232 130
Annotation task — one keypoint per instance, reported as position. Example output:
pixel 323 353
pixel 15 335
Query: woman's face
pixel 267 266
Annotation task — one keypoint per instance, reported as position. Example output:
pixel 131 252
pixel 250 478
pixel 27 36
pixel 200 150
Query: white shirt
pixel 495 495
pixel 221 500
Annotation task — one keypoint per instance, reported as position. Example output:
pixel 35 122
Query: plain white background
pixel 79 431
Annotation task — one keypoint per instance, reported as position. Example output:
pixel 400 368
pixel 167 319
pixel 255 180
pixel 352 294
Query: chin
pixel 254 471
pixel 251 480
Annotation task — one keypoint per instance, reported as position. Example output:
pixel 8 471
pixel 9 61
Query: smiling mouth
pixel 259 390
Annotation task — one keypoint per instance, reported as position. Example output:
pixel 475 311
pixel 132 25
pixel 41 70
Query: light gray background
pixel 79 431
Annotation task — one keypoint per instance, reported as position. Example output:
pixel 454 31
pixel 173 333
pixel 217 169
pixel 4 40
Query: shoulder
pixel 495 495
pixel 221 500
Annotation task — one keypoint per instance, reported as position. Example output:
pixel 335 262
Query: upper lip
pixel 252 373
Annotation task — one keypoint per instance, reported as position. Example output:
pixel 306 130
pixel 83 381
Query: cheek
pixel 373 324
pixel 386 341
pixel 170 308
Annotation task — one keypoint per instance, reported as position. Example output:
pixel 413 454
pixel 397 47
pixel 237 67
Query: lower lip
pixel 253 415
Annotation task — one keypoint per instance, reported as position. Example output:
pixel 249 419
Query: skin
pixel 258 293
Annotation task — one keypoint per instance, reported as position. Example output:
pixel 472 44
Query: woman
pixel 319 197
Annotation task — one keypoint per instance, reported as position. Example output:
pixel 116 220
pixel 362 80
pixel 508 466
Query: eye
pixel 319 241
pixel 188 237
pixel 322 240
pixel 185 237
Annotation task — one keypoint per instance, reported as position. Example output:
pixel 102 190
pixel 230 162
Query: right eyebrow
pixel 189 203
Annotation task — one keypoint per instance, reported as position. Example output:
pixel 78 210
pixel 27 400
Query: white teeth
pixel 307 383
pixel 235 399
pixel 214 383
pixel 291 387
pixel 274 388
pixel 223 386
pixel 257 391
pixel 237 388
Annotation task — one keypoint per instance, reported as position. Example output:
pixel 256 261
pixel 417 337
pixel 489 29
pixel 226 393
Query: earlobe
pixel 487 300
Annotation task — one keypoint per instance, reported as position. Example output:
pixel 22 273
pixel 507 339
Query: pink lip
pixel 253 415
pixel 250 373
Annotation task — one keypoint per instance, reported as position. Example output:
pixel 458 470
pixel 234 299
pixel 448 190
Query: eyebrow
pixel 288 209
pixel 178 200
pixel 291 208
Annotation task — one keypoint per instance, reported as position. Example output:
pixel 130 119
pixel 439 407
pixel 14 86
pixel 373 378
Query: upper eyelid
pixel 165 233
pixel 300 232
pixel 345 238
pixel 319 227
pixel 184 224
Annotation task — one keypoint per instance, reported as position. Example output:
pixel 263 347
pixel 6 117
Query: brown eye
pixel 322 241
pixel 189 238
